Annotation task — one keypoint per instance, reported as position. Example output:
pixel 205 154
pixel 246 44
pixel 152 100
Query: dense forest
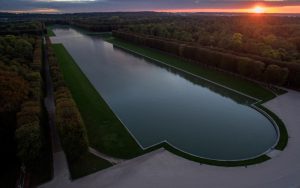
pixel 24 129
pixel 272 37
pixel 269 36
pixel 24 138
pixel 21 28
pixel 263 48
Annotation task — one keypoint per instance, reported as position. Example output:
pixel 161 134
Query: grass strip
pixel 87 164
pixel 50 32
pixel 105 131
pixel 200 160
pixel 283 139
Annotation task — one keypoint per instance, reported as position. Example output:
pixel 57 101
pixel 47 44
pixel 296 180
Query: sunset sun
pixel 258 10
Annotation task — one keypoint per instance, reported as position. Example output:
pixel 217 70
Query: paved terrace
pixel 162 169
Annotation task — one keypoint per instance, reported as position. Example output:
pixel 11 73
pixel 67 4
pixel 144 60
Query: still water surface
pixel 158 103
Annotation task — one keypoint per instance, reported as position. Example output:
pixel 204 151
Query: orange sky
pixel 42 10
pixel 283 9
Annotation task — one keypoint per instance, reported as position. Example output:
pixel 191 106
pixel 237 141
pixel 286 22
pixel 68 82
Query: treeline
pixel 271 72
pixel 21 95
pixel 109 22
pixel 107 27
pixel 30 120
pixel 21 28
pixel 68 119
pixel 272 37
pixel 24 137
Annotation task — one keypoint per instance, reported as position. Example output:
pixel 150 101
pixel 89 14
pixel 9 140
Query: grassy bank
pixel 105 132
pixel 230 81
pixel 50 32
pixel 283 139
pixel 87 164
pixel 200 160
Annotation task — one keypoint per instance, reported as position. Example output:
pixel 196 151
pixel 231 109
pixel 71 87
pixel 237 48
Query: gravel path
pixel 60 165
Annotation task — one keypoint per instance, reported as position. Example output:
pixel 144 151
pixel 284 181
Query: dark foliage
pixel 244 66
pixel 68 119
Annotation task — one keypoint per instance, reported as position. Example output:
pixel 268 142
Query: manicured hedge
pixel 71 128
pixel 30 112
pixel 275 74
pixel 29 142
pixel 37 55
pixel 259 69
pixel 68 119
pixel 293 79
pixel 29 136
pixel 13 90
pixel 249 68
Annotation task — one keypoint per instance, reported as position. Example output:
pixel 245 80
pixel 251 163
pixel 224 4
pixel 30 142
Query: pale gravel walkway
pixel 61 171
pixel 161 169
pixel 60 166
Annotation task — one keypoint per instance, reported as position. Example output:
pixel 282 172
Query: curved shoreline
pixel 241 162
pixel 218 162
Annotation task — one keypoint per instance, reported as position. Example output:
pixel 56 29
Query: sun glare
pixel 258 10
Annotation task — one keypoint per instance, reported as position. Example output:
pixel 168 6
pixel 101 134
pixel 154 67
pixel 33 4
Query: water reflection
pixel 156 102
pixel 238 98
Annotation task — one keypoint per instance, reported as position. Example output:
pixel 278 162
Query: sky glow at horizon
pixel 70 6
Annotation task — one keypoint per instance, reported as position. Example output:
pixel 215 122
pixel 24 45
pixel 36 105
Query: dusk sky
pixel 68 6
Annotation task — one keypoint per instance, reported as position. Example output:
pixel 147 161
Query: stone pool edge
pixel 217 162
pixel 202 160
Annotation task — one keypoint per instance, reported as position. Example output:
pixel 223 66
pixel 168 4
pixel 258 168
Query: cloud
pixel 43 10
pixel 69 1
pixel 134 5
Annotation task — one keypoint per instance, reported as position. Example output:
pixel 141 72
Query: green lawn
pixel 105 132
pixel 87 164
pixel 283 140
pixel 233 82
pixel 50 32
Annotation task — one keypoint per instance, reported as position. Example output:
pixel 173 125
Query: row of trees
pixel 21 28
pixel 266 36
pixel 21 94
pixel 259 70
pixel 106 22
pixel 29 133
pixel 16 48
pixel 24 136
pixel 68 119
pixel 98 27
